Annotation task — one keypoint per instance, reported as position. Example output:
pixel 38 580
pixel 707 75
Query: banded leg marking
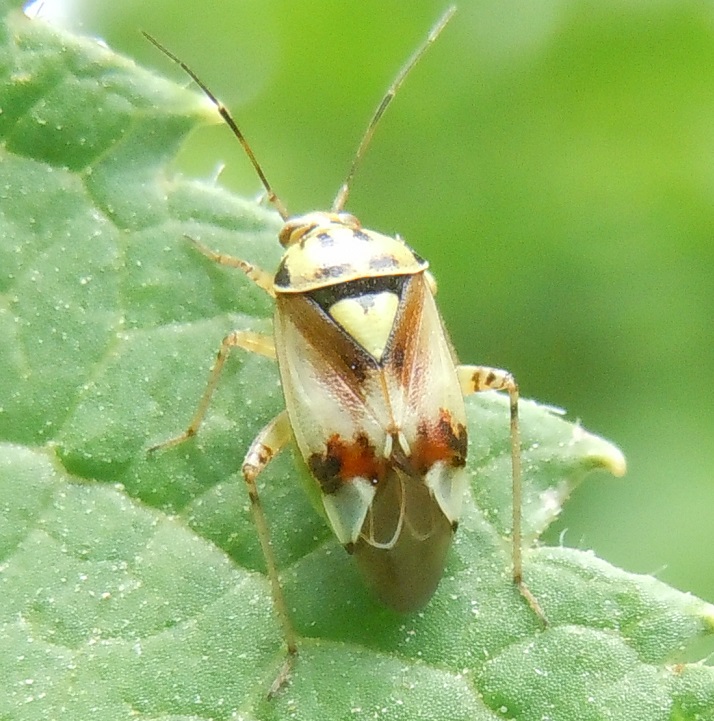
pixel 260 277
pixel 253 342
pixel 262 450
pixel 474 379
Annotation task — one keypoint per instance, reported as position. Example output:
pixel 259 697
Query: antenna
pixel 225 114
pixel 344 191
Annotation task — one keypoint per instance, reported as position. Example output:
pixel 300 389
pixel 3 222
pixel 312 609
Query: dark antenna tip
pixel 344 191
pixel 228 118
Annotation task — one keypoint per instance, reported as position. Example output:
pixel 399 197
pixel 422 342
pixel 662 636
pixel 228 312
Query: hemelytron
pixel 373 391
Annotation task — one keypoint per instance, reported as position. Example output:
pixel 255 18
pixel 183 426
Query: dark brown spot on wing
pixel 325 468
pixel 359 370
pixel 397 358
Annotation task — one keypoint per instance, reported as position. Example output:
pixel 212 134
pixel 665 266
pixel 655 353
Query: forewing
pixel 331 385
pixel 420 366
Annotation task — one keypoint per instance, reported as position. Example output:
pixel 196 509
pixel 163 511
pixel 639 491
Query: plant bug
pixel 373 391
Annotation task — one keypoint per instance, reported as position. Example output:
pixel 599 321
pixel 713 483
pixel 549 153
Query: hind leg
pixel 474 379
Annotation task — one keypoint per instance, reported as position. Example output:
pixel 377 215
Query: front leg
pixel 253 342
pixel 261 278
pixel 474 379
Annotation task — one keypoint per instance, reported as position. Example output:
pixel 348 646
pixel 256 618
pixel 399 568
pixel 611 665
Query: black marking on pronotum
pixel 383 262
pixel 282 276
pixel 327 297
pixel 333 271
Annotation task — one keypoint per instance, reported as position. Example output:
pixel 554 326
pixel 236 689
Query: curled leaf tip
pixel 614 461
pixel 601 453
pixel 707 616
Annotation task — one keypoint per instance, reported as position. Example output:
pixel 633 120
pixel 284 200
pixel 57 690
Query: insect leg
pixel 260 277
pixel 474 379
pixel 263 449
pixel 254 342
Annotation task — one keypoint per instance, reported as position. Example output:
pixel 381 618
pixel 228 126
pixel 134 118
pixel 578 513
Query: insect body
pixel 373 392
pixel 373 399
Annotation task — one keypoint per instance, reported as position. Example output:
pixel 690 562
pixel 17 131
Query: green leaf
pixel 132 584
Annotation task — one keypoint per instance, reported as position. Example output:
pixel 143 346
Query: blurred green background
pixel 554 160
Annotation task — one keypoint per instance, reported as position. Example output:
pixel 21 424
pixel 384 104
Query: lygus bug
pixel 373 391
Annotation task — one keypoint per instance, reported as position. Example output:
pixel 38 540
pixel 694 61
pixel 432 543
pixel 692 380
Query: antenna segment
pixel 225 114
pixel 344 191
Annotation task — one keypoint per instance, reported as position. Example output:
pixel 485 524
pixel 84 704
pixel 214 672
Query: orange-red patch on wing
pixel 345 460
pixel 440 441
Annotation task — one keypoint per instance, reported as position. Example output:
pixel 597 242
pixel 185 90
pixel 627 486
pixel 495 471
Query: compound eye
pixel 292 232
pixel 349 220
